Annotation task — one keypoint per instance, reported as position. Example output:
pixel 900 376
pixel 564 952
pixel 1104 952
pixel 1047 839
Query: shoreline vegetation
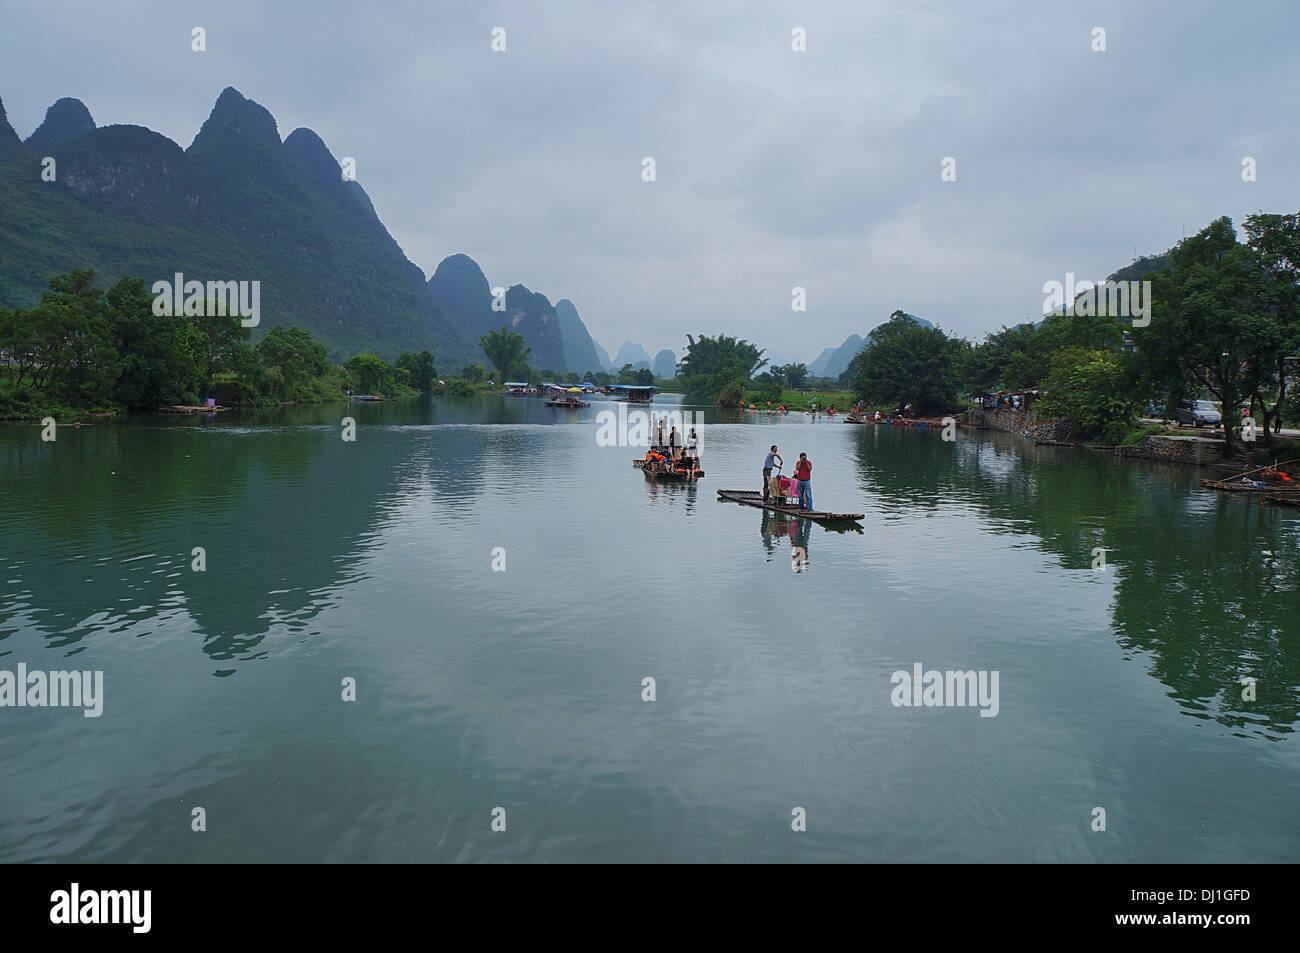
pixel 1221 321
pixel 86 352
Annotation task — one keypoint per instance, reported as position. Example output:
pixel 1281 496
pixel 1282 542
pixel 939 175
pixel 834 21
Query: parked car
pixel 1198 413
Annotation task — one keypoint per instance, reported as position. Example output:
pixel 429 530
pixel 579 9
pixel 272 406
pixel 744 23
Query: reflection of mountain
pixel 289 513
pixel 1209 600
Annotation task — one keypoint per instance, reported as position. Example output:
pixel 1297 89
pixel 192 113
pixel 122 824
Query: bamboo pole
pixel 1258 469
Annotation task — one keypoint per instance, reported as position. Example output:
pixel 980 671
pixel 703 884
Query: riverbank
pixel 800 400
pixel 1155 441
pixel 64 414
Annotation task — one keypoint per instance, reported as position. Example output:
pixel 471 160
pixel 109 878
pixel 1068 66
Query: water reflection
pixel 1205 589
pixel 777 528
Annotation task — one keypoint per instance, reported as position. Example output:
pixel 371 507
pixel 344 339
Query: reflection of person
pixel 799 532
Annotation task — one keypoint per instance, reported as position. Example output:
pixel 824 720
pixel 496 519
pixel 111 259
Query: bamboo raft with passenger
pixel 754 498
pixel 1272 479
pixel 662 468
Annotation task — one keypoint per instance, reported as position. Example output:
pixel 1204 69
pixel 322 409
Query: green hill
pixel 238 204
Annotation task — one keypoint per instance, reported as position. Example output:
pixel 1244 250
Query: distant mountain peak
pixel 237 118
pixel 306 140
pixel 66 119
pixel 459 285
pixel 308 151
pixel 8 138
pixel 631 353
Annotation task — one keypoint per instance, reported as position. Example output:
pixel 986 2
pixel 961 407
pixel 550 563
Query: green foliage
pixel 223 209
pixel 1090 388
pixel 508 352
pixel 793 376
pixel 768 387
pixel 420 370
pixel 905 363
pixel 473 373
pixel 719 368
pixel 85 349
pixel 291 360
pixel 369 374
pixel 732 394
pixel 643 376
pixel 1215 319
pixel 458 388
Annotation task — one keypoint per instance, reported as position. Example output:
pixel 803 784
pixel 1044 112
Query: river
pixel 498 588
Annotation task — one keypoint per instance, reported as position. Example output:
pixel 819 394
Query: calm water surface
pixel 1118 688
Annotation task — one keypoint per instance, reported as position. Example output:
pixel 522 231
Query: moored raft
pixel 754 498
pixel 1249 482
pixel 1281 499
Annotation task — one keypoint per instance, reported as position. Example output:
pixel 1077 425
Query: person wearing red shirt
pixel 803 473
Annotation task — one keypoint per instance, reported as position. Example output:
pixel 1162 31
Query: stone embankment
pixel 1026 423
pixel 1171 448
pixel 1197 450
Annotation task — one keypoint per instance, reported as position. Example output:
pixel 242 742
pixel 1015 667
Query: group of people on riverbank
pixel 773 487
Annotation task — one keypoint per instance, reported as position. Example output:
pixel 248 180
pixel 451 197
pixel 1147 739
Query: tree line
pixel 89 348
pixel 1224 322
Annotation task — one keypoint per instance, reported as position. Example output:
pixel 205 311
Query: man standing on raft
pixel 767 469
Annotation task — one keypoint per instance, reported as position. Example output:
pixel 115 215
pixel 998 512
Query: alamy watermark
pixel 215 299
pixel 126 907
pixel 59 689
pixel 640 428
pixel 1117 299
pixel 935 689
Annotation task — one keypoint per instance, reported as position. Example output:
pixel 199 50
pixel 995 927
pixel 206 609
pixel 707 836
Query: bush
pixel 1090 389
pixel 732 395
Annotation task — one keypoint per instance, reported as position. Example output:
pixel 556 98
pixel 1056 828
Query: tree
pixel 769 386
pixel 1211 320
pixel 508 353
pixel 1090 388
pixel 642 376
pixel 65 344
pixel 1277 240
pixel 368 372
pixel 157 363
pixel 421 370
pixel 298 358
pixel 712 365
pixel 905 363
pixel 792 375
pixel 473 373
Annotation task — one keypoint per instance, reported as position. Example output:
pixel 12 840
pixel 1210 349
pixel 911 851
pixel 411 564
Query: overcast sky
pixel 775 168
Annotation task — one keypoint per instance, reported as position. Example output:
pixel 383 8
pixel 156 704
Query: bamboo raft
pixel 1237 483
pixel 665 472
pixel 923 422
pixel 1281 499
pixel 754 498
